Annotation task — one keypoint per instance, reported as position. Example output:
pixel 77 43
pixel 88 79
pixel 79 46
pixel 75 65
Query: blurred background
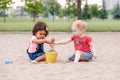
pixel 95 12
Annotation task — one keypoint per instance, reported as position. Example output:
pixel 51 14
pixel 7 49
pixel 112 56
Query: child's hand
pixel 52 40
pixel 94 57
pixel 52 44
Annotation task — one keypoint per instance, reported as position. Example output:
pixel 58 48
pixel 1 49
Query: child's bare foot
pixel 34 62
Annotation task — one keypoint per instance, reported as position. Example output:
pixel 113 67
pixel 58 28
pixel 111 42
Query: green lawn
pixel 26 24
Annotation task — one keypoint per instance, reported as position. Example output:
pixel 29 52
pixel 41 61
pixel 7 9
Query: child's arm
pixel 92 46
pixel 39 41
pixel 51 41
pixel 63 41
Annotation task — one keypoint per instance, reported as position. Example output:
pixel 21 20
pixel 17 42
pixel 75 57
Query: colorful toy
pixel 51 56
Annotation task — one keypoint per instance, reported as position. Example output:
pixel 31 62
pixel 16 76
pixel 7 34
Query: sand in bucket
pixel 51 56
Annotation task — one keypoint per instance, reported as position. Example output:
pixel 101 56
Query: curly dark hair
pixel 40 26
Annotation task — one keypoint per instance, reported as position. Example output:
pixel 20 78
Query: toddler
pixel 84 49
pixel 35 50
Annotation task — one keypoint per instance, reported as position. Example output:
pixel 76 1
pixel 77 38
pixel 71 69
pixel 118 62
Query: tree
pixel 4 5
pixel 70 9
pixel 117 12
pixel 79 16
pixel 46 8
pixel 103 11
pixel 74 9
pixel 86 12
pixel 67 9
pixel 94 10
pixel 34 7
pixel 54 8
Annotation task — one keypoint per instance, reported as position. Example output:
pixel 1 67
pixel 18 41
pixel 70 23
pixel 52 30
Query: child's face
pixel 40 34
pixel 77 32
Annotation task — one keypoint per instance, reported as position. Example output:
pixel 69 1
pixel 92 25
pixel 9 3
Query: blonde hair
pixel 79 24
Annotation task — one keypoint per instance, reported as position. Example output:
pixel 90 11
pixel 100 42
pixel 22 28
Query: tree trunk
pixel 4 16
pixel 79 15
pixel 53 17
pixel 34 17
pixel 53 10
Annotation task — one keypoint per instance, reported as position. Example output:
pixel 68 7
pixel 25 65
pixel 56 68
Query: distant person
pixel 84 49
pixel 36 50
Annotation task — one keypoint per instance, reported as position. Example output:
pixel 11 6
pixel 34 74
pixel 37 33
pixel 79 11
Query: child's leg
pixel 40 58
pixel 71 57
pixel 77 56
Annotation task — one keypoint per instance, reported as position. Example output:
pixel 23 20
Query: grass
pixel 106 25
pixel 26 24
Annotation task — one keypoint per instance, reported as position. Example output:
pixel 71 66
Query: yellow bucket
pixel 51 57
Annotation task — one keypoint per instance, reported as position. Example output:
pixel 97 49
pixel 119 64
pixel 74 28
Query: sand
pixel 106 67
